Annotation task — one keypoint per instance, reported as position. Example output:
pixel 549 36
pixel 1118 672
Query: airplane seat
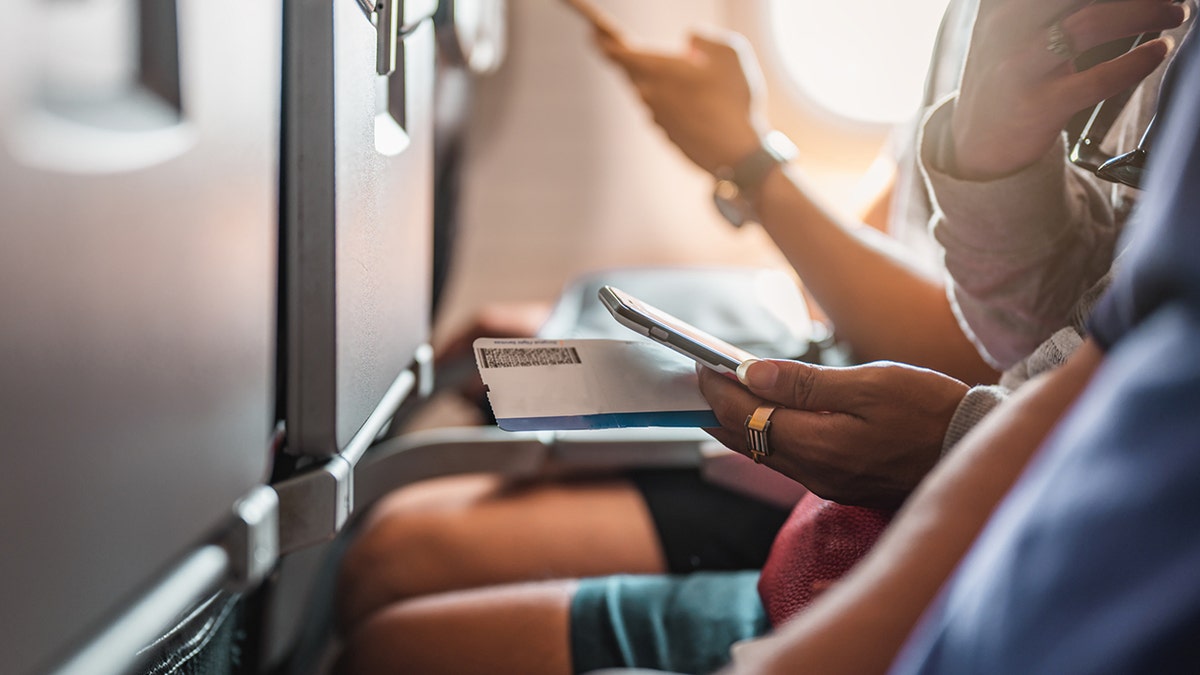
pixel 364 247
pixel 355 281
pixel 138 186
pixel 216 281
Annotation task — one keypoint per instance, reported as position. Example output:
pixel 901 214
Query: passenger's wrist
pixel 738 185
pixel 738 142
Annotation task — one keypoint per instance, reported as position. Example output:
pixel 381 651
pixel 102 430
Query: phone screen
pixel 673 332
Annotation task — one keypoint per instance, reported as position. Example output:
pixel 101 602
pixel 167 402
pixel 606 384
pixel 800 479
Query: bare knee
pixel 407 547
pixel 474 531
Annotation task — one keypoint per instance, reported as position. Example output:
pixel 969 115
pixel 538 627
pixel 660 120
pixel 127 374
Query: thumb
pixel 801 386
pixel 613 45
pixel 714 41
pixel 705 49
pixel 719 45
pixel 731 53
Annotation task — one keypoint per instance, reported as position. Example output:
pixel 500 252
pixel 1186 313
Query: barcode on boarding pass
pixel 511 357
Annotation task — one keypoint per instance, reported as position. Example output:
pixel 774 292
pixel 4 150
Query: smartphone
pixel 600 20
pixel 673 332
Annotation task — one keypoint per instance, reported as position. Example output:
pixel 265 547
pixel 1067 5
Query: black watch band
pixel 737 186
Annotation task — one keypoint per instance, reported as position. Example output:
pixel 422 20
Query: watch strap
pixel 750 173
pixel 737 186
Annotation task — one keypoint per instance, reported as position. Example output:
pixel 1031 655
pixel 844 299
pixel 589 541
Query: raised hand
pixel 708 100
pixel 1020 86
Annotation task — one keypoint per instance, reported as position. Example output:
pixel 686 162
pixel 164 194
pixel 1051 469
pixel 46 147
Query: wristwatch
pixel 738 185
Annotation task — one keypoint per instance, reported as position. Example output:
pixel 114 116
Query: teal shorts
pixel 677 623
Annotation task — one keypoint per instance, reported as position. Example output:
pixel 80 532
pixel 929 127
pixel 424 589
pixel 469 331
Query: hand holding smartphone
pixel 673 332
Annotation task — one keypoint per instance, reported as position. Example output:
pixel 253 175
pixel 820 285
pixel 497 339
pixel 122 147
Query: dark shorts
pixel 702 526
pixel 678 623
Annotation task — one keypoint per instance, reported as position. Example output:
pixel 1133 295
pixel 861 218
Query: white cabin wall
pixel 566 173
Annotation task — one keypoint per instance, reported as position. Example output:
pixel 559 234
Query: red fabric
pixel 817 544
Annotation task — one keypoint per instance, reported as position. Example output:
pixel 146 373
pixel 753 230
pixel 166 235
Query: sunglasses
pixel 1129 168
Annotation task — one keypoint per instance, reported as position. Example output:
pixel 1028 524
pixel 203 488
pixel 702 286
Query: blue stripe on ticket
pixel 674 418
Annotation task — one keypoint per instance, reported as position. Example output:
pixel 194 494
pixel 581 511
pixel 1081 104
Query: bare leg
pixel 471 531
pixel 520 628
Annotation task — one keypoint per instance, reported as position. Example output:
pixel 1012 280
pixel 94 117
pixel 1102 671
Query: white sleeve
pixel 1019 251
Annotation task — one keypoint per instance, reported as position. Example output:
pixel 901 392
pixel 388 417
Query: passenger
pixel 1087 564
pixel 469 561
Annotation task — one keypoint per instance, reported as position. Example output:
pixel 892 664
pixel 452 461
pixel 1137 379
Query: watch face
pixel 729 202
pixel 780 146
pixel 727 190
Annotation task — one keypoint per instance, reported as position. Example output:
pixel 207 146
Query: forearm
pixel 1015 290
pixel 879 603
pixel 1020 249
pixel 877 301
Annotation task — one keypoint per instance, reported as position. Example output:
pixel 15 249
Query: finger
pixel 1016 19
pixel 804 386
pixel 808 435
pixel 1010 18
pixel 798 439
pixel 717 44
pixel 1038 14
pixel 601 22
pixel 729 50
pixel 608 43
pixel 642 62
pixel 1098 24
pixel 1089 28
pixel 732 440
pixel 1110 78
pixel 731 402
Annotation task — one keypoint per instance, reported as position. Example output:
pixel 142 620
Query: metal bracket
pixel 438 452
pixel 253 541
pixel 393 19
pixel 314 506
pixel 424 369
pixel 368 7
pixel 387 28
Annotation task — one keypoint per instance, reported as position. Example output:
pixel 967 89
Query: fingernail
pixel 742 368
pixel 758 374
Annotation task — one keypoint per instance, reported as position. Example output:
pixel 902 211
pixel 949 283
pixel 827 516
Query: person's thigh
pixel 471 531
pixel 518 628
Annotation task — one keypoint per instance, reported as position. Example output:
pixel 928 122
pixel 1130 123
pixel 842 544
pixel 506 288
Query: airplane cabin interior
pixel 240 239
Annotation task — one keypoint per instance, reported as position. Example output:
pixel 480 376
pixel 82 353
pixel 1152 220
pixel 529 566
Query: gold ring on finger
pixel 757 425
pixel 1058 43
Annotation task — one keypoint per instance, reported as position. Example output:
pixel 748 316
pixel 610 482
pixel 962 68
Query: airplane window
pixel 864 61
